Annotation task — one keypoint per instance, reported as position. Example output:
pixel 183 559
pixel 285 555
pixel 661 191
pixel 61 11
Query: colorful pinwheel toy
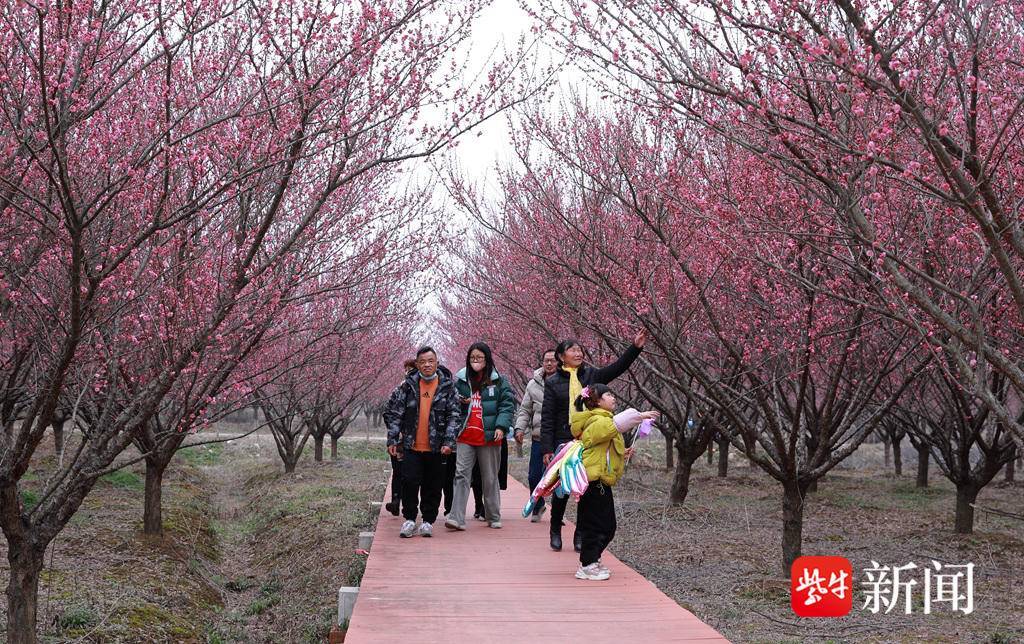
pixel 564 475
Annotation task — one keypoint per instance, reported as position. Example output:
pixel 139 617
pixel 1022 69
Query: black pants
pixel 422 481
pixel 449 482
pixel 477 485
pixel 396 479
pixel 596 521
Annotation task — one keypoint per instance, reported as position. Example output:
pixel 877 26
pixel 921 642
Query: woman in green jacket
pixel 488 410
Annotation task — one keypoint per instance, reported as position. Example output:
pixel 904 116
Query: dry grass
pixel 293 541
pixel 719 554
pixel 249 554
pixel 105 581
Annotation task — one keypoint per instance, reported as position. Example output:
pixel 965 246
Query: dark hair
pixel 479 381
pixel 547 351
pixel 595 390
pixel 409 364
pixel 564 346
pixel 426 349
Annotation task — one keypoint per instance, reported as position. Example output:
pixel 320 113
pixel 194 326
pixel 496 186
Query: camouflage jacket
pixel 402 414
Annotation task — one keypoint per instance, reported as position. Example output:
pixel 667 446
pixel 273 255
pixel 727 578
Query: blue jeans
pixel 536 471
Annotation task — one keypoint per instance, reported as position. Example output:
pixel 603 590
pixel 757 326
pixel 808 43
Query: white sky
pixel 497 30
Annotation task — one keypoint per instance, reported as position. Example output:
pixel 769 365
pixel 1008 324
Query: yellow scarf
pixel 575 388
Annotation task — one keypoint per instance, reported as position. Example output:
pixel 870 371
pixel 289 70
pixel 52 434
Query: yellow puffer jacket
pixel 604 450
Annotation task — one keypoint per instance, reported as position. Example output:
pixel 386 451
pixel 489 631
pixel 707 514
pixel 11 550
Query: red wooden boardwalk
pixel 506 585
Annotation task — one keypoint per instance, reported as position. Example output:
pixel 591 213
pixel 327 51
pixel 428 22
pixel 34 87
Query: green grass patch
pixel 910 492
pixel 262 604
pixel 319 628
pixel 78 616
pixel 318 493
pixel 270 596
pixel 156 622
pixel 364 450
pixel 202 454
pixel 125 479
pixel 356 570
pixel 29 499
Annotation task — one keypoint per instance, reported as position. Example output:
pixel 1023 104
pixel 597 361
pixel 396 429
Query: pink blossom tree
pixel 905 117
pixel 622 222
pixel 171 172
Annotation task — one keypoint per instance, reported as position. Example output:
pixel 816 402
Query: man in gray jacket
pixel 528 420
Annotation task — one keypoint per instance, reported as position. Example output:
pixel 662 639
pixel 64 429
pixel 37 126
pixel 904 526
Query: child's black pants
pixel 595 521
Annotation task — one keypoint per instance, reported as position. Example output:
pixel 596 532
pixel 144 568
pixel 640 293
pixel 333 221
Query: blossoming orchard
pixel 226 225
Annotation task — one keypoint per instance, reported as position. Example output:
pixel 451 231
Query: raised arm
pixel 612 371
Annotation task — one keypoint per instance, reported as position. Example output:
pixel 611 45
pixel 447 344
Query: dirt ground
pixel 719 554
pixel 249 554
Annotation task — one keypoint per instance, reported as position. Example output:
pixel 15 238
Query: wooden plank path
pixel 507 585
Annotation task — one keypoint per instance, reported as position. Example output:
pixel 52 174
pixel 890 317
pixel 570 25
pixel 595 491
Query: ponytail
pixel 590 396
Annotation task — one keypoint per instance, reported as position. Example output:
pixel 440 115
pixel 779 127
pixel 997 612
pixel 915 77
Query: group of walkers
pixel 448 434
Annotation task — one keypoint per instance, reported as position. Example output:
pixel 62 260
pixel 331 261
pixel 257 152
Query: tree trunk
pixel 318 449
pixel 888 451
pixel 23 593
pixel 723 459
pixel 897 457
pixel 58 436
pixel 334 448
pixel 290 461
pixel 792 523
pixel 152 508
pixel 710 453
pixel 1010 473
pixel 670 453
pixel 965 496
pixel 922 466
pixel 681 481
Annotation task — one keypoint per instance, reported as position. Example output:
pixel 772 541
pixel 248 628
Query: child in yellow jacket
pixel 604 457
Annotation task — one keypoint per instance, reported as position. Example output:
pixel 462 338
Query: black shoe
pixel 556 541
pixel 577 541
pixel 392 507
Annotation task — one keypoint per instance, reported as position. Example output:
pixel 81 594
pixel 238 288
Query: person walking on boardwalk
pixel 394 506
pixel 488 408
pixel 528 420
pixel 560 390
pixel 422 420
pixel 604 457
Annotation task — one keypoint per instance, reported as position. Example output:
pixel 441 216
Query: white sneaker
pixel 452 524
pixel 408 529
pixel 536 517
pixel 601 566
pixel 592 573
pixel 495 524
pixel 426 530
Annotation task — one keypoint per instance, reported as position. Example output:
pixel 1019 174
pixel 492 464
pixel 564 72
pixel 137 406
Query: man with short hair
pixel 422 418
pixel 528 419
